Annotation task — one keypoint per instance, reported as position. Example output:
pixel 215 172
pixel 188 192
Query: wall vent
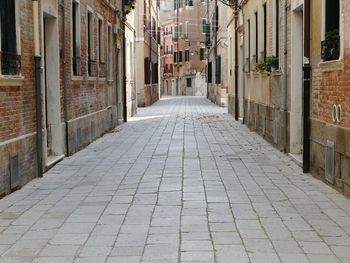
pixel 14 172
pixel 330 161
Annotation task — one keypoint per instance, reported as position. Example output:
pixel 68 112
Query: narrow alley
pixel 181 182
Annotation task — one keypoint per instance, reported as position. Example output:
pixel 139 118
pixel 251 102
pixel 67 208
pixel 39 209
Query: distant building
pixel 147 51
pixel 168 78
pixel 189 48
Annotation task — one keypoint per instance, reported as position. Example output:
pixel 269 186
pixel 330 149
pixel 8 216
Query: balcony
pixel 330 48
pixel 10 64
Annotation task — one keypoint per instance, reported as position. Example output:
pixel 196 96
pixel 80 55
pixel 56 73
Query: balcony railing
pixel 330 48
pixel 76 66
pixel 102 72
pixel 10 63
pixel 92 68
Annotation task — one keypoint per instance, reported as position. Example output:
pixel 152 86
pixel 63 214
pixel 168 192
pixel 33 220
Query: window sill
pixel 333 65
pixel 77 79
pixel 13 81
pixel 276 73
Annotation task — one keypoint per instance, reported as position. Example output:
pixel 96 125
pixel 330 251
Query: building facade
pixel 279 43
pixel 61 81
pixel 189 48
pixel 218 53
pixel 147 51
pixel 167 53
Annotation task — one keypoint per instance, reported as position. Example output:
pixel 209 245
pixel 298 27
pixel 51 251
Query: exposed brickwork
pixel 17 108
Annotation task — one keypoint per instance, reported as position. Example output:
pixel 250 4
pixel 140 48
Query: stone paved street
pixel 181 182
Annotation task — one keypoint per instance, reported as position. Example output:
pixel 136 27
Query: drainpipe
pixel 285 104
pixel 207 37
pixel 236 61
pixel 125 114
pixel 306 89
pixel 63 57
pixel 37 61
pixel 243 60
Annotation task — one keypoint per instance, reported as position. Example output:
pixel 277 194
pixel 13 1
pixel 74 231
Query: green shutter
pixel 204 25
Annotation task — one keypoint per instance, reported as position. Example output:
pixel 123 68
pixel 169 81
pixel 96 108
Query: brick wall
pixel 17 109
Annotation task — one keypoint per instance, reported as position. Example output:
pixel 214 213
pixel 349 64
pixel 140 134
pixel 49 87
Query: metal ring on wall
pixel 339 113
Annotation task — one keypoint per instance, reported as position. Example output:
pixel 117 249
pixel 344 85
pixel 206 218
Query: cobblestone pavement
pixel 181 182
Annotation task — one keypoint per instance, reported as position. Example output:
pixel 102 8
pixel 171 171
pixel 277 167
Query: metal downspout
pixel 285 103
pixel 306 89
pixel 236 61
pixel 125 114
pixel 37 61
pixel 63 57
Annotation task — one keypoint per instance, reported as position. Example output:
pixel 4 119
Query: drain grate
pixel 14 172
pixel 330 162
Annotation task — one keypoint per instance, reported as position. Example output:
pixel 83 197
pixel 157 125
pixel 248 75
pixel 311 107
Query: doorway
pixel 296 83
pixel 54 129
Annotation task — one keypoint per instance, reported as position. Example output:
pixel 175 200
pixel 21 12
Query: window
pixel 204 25
pixel 180 56
pixel 330 46
pixel 277 26
pixel 10 59
pixel 210 72
pixel 102 68
pixel 175 57
pixel 265 32
pixel 90 34
pixel 176 33
pixel 186 29
pixel 187 55
pixel 147 71
pixel 154 73
pixel 76 38
pixel 218 70
pixel 256 37
pixel 188 82
pixel 110 53
pixel 202 53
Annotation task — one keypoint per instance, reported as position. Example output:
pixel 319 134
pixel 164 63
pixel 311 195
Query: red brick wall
pixel 85 96
pixel 17 109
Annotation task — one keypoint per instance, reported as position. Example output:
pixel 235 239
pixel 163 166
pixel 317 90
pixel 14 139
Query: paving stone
pixel 191 185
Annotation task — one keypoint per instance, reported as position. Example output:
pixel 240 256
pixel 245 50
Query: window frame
pixel 18 41
pixel 341 27
pixel 78 38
